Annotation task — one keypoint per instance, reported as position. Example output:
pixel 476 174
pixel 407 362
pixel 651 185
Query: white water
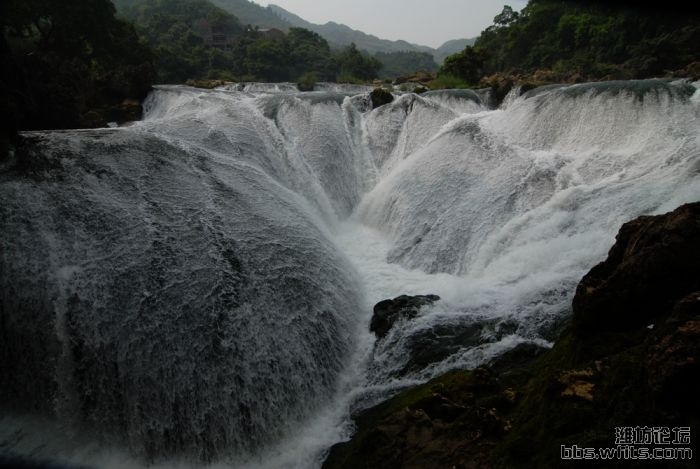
pixel 199 285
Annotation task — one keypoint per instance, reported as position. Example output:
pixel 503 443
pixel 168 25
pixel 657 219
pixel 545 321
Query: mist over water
pixel 198 286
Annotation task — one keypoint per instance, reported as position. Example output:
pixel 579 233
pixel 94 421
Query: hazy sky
pixel 425 22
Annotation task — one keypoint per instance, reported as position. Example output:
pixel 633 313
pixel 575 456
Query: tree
pixel 66 59
pixel 355 64
pixel 467 65
pixel 505 17
pixel 267 60
pixel 309 53
pixel 178 30
pixel 597 39
pixel 396 64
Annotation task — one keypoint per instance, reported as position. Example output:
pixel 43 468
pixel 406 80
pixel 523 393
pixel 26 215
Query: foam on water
pixel 509 208
pixel 201 282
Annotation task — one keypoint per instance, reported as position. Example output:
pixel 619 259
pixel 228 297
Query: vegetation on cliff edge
pixel 69 64
pixel 583 40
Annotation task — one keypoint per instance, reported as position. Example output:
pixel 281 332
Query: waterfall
pixel 196 288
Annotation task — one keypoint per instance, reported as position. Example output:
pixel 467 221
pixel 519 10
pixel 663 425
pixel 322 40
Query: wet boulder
pixel 388 312
pixel 380 97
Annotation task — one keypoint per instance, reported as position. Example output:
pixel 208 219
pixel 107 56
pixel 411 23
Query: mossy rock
pixel 207 84
pixel 307 82
pixel 380 97
pixel 94 119
pixel 451 421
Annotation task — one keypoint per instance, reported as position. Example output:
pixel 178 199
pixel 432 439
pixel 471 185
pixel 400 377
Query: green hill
pixel 555 41
pixel 452 47
pixel 254 14
pixel 182 33
pixel 341 35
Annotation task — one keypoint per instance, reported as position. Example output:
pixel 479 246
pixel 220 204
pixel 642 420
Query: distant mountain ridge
pixel 452 47
pixel 339 35
pixel 253 14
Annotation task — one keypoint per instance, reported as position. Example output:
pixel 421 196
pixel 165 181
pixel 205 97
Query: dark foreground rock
pixel 431 344
pixel 635 365
pixel 387 312
pixel 653 263
pixel 380 97
pixel 11 462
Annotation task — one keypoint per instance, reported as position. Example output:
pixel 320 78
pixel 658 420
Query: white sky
pixel 425 22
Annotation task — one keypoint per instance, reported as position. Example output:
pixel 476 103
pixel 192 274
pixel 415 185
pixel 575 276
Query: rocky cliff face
pixel 628 359
pixel 653 263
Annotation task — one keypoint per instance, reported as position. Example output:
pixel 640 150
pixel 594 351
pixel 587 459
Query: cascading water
pixel 195 289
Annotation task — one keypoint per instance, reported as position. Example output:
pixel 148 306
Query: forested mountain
pixel 171 27
pixel 273 16
pixel 250 13
pixel 181 34
pixel 75 63
pixel 68 64
pixel 396 64
pixel 397 57
pixel 452 47
pixel 194 39
pixel 337 35
pixel 341 35
pixel 589 40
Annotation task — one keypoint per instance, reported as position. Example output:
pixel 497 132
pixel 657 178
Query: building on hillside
pixel 213 35
pixel 272 33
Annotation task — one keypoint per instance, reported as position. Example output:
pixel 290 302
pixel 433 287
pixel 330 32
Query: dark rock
pixel 128 110
pixel 435 344
pixel 208 84
pixel 692 71
pixel 421 77
pixel 500 84
pixel 307 82
pixel 672 360
pixel 518 356
pixel 93 119
pixel 629 359
pixel 452 421
pixel 654 261
pixel 380 97
pixel 387 312
pixel 6 147
pixel 17 462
